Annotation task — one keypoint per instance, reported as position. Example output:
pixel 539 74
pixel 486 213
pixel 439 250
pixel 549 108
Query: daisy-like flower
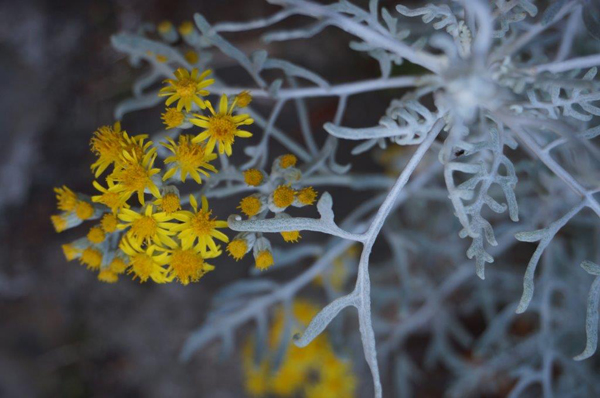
pixel 188 158
pixel 145 263
pixel 252 205
pixel 108 143
pixel 282 197
pixel 66 200
pixel 109 197
pixel 135 175
pixel 187 88
pixel 148 227
pixel 243 99
pixel 221 127
pixel 198 225
pixel 240 245
pixel 189 265
pixel 109 223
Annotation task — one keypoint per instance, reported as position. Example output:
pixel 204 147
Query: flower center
pixel 144 227
pixel 190 156
pixel 202 224
pixel 109 223
pixel 141 265
pixel 92 258
pixel 170 203
pixel 222 127
pixel 186 87
pixel 237 248
pixel 250 206
pixel 84 210
pixel 187 265
pixel 283 196
pixel 172 117
pixel 253 177
pixel 134 177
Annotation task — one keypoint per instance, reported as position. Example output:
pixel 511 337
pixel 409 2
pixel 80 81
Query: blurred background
pixel 63 333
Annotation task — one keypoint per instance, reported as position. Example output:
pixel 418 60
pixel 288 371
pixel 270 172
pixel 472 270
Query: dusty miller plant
pixel 500 129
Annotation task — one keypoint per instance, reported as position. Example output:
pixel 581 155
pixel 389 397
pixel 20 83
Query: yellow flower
pixel 91 257
pixel 71 251
pixel 291 236
pixel 108 143
pixel 65 198
pixel 187 88
pixel 169 203
pixel 254 177
pixel 287 161
pixel 264 259
pixel 237 248
pixel 188 265
pixel 188 158
pixel 243 99
pixel 192 57
pixel 109 223
pixel 283 196
pixel 108 276
pixel 135 175
pixel 306 196
pixel 251 205
pixel 198 225
pixel 222 127
pixel 145 263
pixel 109 198
pixel 64 221
pixel 186 28
pixel 118 265
pixel 84 210
pixel 96 235
pixel 172 118
pixel 165 27
pixel 148 227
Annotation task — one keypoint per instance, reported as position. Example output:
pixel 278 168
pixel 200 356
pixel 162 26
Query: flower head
pixel 108 276
pixel 172 118
pixel 187 88
pixel 199 226
pixel 282 197
pixel 145 263
pixel 243 99
pixel 170 201
pixel 96 235
pixel 305 197
pixel 108 143
pixel 240 245
pixel 109 222
pixel 251 205
pixel 188 265
pixel 65 198
pixel 148 227
pixel 84 210
pixel 91 257
pixel 188 158
pixel 135 176
pixel 254 177
pixel 221 127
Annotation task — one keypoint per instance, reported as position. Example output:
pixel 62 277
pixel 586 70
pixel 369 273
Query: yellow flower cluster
pixel 158 239
pixel 275 193
pixel 314 371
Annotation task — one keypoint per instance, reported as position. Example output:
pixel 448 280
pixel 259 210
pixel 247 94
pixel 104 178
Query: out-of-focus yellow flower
pixel 65 198
pixel 188 265
pixel 145 262
pixel 135 176
pixel 108 143
pixel 172 118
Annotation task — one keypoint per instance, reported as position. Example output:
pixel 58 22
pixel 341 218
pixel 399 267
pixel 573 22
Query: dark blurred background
pixel 63 333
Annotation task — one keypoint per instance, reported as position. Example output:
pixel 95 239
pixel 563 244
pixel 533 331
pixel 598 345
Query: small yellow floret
pixel 65 198
pixel 243 99
pixel 287 161
pixel 283 196
pixel 186 28
pixel 187 88
pixel 192 57
pixel 188 266
pixel 253 177
pixel 96 235
pixel 59 223
pixel 291 236
pixel 91 257
pixel 118 265
pixel 84 210
pixel 70 251
pixel 109 223
pixel 170 203
pixel 250 206
pixel 237 249
pixel 165 26
pixel 307 196
pixel 172 118
pixel 264 260
pixel 108 276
